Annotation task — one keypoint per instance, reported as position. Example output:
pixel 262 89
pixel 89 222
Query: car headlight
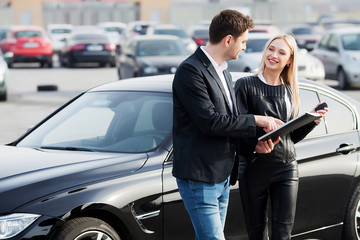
pixel 150 70
pixel 11 225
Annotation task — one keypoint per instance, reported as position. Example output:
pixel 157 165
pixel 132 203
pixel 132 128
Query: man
pixel 206 120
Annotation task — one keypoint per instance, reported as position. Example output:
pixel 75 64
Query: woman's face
pixel 277 55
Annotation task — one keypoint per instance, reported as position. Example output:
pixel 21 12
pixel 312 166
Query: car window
pixel 333 43
pixel 129 122
pixel 308 100
pixel 324 41
pixel 340 118
pixel 161 48
pixel 22 34
pixel 256 45
pixel 351 41
pixel 90 37
pixel 176 32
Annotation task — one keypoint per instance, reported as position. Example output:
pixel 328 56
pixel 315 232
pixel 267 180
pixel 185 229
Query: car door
pixel 177 224
pixel 326 53
pixel 326 168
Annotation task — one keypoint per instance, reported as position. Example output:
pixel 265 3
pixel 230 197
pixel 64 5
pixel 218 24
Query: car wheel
pixel 343 82
pixel 351 230
pixel 86 228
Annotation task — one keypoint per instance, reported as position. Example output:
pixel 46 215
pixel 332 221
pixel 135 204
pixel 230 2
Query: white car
pixel 339 51
pixel 115 31
pixel 58 33
pixel 309 67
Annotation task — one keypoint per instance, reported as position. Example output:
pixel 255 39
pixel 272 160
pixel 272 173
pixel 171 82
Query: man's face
pixel 237 45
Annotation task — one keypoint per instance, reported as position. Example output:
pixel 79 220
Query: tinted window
pixel 351 41
pixel 339 119
pixel 309 99
pixel 256 45
pixel 90 37
pixel 176 32
pixel 108 122
pixel 161 48
pixel 28 34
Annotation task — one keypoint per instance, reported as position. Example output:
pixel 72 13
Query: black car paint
pixel 122 189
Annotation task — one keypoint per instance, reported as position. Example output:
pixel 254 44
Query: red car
pixel 27 44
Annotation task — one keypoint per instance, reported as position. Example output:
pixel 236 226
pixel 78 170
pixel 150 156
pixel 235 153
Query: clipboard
pixel 290 126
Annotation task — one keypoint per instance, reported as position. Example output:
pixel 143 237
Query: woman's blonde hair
pixel 289 73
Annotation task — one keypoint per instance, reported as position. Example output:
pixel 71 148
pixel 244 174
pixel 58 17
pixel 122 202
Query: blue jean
pixel 207 205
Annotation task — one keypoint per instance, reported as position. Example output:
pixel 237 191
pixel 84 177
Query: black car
pixel 100 168
pixel 148 55
pixel 88 46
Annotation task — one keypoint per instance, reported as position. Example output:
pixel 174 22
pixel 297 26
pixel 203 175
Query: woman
pixel 267 169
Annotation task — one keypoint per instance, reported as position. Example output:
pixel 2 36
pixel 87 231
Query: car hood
pixel 162 61
pixel 36 173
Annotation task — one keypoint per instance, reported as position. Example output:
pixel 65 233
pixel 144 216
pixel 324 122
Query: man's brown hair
pixel 228 22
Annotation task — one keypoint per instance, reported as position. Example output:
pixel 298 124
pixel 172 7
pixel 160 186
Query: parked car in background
pixel 309 67
pixel 339 51
pixel 265 28
pixel 3 77
pixel 4 31
pixel 27 44
pixel 101 168
pixel 88 46
pixel 200 34
pixel 136 28
pixel 150 55
pixel 306 36
pixel 168 29
pixel 58 34
pixel 115 31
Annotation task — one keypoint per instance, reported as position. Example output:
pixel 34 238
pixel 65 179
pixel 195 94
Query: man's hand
pixel 268 123
pixel 266 146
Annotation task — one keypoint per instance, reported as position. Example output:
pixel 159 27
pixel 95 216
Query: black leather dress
pixel 271 176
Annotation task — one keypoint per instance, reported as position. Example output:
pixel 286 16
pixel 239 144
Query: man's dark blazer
pixel 204 125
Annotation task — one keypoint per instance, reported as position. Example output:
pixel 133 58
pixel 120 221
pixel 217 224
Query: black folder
pixel 290 126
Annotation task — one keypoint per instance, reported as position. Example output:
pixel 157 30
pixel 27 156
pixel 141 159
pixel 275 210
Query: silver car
pixel 339 51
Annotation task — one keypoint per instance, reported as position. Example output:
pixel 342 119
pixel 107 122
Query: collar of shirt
pixel 220 72
pixel 219 68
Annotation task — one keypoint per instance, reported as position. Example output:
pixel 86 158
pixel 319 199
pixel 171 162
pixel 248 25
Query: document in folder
pixel 290 126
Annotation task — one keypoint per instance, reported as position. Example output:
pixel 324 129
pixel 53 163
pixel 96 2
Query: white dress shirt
pixel 220 72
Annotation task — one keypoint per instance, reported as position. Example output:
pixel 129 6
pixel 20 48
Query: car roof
pixel 158 83
pixel 26 27
pixel 154 37
pixel 344 30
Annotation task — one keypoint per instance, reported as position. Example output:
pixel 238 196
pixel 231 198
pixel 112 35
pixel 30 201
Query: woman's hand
pixel 266 146
pixel 321 112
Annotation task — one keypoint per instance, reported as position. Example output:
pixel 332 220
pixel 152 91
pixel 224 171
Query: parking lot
pixel 26 106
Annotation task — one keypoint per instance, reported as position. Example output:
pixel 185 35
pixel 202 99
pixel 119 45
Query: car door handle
pixel 346 148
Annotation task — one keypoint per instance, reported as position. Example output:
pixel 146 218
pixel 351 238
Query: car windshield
pixel 175 32
pixel 126 122
pixel 161 48
pixel 351 41
pixel 256 45
pixel 300 31
pixel 90 37
pixel 22 34
pixel 60 31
